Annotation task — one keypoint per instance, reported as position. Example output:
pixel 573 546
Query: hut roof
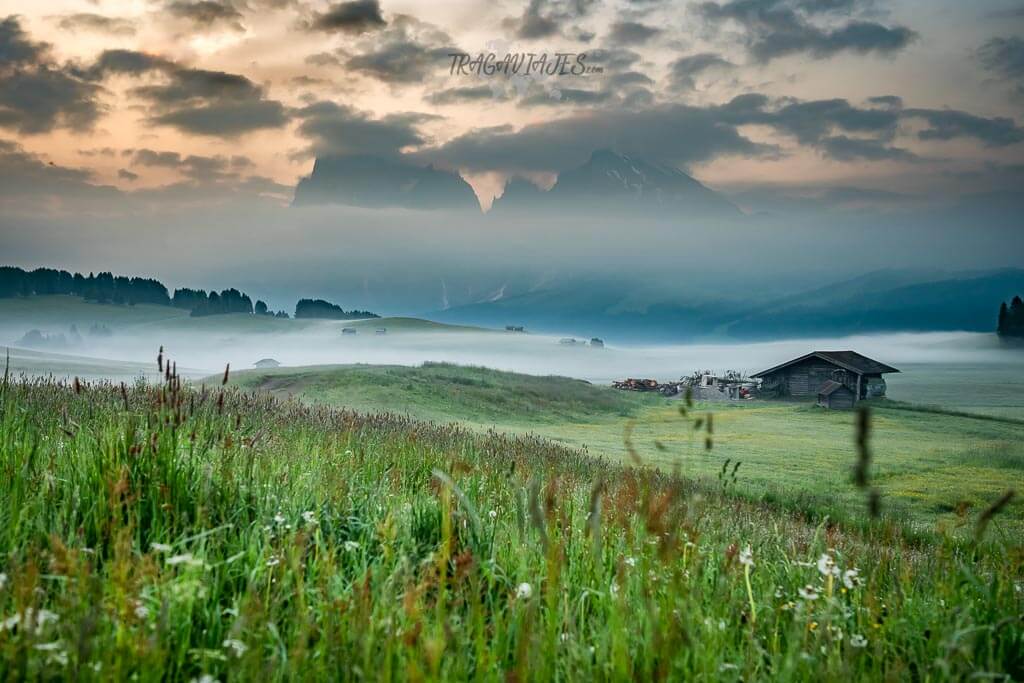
pixel 830 387
pixel 848 360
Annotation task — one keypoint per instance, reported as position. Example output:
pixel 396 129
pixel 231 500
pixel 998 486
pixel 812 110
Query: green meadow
pixel 933 467
pixel 161 532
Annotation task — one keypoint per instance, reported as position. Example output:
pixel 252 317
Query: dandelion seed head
pixel 858 640
pixel 747 557
pixel 524 591
pixel 808 593
pixel 851 578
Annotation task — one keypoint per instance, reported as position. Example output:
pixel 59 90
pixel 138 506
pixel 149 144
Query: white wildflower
pixel 809 593
pixel 237 647
pixel 351 546
pixel 826 565
pixel 630 561
pixel 279 518
pixel 851 578
pixel 857 640
pixel 747 557
pixel 493 514
pixel 141 611
pixel 524 591
pixel 309 517
pixel 273 561
pixel 160 547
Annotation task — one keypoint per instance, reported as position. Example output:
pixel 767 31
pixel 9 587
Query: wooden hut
pixel 805 377
pixel 835 396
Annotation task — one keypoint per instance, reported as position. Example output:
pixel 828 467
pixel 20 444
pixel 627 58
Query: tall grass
pixel 171 533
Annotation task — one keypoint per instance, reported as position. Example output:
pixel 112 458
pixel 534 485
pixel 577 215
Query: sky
pixel 166 137
pixel 171 102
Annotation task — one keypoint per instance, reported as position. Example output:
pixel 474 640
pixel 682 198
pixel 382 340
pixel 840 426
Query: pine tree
pixel 1004 314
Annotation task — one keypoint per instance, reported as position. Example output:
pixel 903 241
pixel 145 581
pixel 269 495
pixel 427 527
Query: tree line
pixel 1011 319
pixel 107 288
pixel 318 308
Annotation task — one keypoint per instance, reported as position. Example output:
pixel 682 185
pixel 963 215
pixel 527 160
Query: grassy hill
pixel 929 463
pixel 171 534
pixel 445 392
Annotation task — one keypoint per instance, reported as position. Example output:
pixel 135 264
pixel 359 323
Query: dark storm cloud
pixel 675 134
pixel 36 94
pixel 360 16
pixel 408 51
pixel 86 21
pixel 631 33
pixel 464 94
pixel 338 129
pixel 125 174
pixel 683 72
pixel 776 28
pixel 206 13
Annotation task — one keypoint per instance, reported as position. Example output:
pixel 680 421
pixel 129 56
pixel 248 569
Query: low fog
pixel 416 262
pixel 205 353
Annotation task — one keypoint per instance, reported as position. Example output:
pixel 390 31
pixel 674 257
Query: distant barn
pixel 838 379
pixel 267 363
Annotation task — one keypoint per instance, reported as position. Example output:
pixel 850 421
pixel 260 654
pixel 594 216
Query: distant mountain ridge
pixel 883 301
pixel 607 181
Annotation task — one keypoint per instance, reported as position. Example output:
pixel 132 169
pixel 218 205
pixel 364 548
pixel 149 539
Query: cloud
pixel 16 48
pixel 125 174
pixel 684 71
pixel 776 28
pixel 207 13
pixel 946 124
pixel 465 94
pixel 555 96
pixel 36 94
pixel 408 51
pixel 339 129
pixel 675 134
pixel 359 16
pixel 196 167
pixel 546 18
pixel 85 21
pixel 843 148
pixel 631 33
pixel 1004 57
pixel 126 62
pixel 196 101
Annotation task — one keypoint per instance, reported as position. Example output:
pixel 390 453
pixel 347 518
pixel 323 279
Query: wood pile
pixel 633 384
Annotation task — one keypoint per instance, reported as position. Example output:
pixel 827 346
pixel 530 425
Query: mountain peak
pixel 611 181
pixel 380 182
